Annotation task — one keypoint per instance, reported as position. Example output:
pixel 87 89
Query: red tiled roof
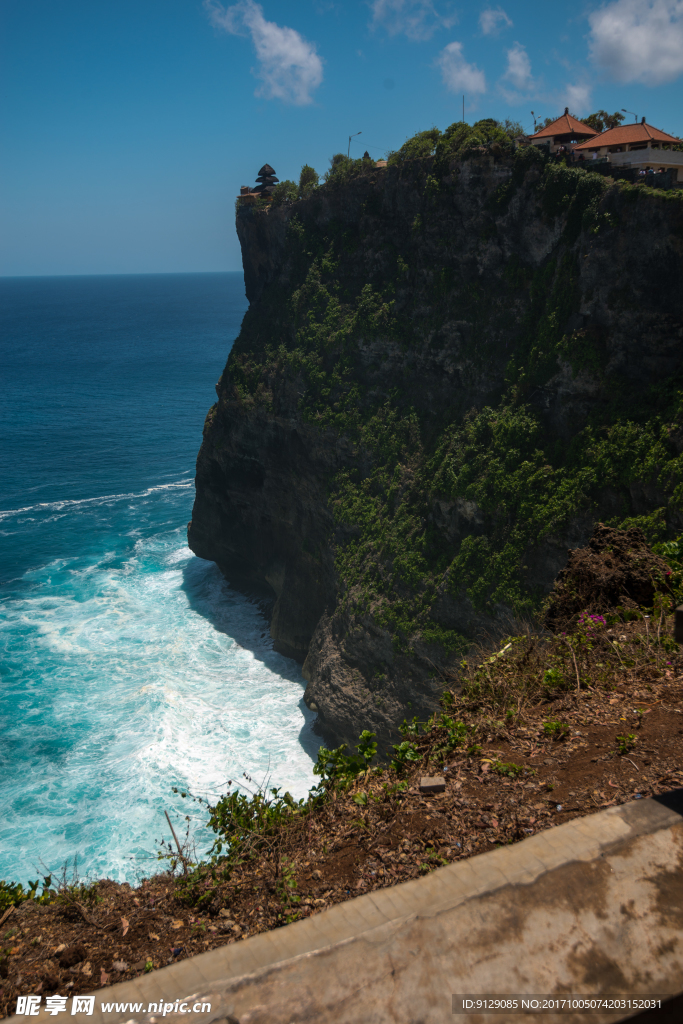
pixel 565 125
pixel 626 135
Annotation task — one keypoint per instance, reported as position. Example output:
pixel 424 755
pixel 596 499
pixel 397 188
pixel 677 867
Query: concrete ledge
pixel 592 907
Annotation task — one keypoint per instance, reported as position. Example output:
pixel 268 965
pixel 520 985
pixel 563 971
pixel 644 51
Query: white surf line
pixel 57 506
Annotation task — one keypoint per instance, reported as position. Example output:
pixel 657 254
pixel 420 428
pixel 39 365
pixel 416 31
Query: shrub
pixel 336 766
pixel 418 147
pixel 12 894
pixel 459 139
pixel 308 179
pixel 285 192
pixel 507 768
pixel 343 168
pixel 557 730
pixel 404 753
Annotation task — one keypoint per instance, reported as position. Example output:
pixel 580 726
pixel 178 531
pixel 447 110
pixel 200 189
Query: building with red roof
pixel 640 146
pixel 565 131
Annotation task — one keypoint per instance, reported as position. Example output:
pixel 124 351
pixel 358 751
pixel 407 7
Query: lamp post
pixel 348 151
pixel 534 117
pixel 625 111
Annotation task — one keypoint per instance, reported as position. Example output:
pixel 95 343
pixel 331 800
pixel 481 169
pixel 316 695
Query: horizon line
pixel 122 273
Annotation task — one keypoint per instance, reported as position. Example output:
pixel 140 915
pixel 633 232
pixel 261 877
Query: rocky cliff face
pixel 444 377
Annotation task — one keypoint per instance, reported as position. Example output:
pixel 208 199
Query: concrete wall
pixel 590 908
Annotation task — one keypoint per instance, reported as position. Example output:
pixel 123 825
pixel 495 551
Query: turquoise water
pixel 127 665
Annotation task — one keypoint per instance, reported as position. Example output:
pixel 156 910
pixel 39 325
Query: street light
pixel 625 111
pixel 348 151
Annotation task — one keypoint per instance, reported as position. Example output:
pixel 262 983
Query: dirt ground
pixel 558 726
pixel 122 932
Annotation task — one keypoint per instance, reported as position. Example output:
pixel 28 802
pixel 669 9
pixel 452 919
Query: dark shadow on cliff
pixel 239 617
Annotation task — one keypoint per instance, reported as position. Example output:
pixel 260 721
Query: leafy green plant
pixel 367 747
pixel 410 727
pixel 13 894
pixel 626 742
pixel 672 553
pixel 395 790
pixel 286 886
pixel 556 729
pixel 79 891
pixel 405 754
pixel 336 766
pixel 456 735
pixel 552 677
pixel 457 731
pixel 508 768
pixel 434 860
pixel 244 823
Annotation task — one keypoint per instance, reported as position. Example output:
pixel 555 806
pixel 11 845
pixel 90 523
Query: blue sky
pixel 127 126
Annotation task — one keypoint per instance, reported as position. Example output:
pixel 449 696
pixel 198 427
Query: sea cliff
pixel 450 369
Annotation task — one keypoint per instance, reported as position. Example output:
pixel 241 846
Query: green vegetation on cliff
pixel 347 339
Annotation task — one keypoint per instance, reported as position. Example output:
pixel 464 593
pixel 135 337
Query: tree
pixel 420 146
pixel 601 120
pixel 337 161
pixel 308 179
pixel 461 137
pixel 285 192
pixel 511 128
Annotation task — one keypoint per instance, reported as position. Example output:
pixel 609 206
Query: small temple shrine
pixel 266 184
pixel 566 131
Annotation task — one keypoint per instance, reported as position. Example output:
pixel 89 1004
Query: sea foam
pixel 127 665
pixel 129 671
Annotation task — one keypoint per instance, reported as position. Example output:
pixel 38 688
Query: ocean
pixel 128 666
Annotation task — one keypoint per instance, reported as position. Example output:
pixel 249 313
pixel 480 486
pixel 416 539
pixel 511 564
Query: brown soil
pixel 73 948
pixel 557 727
pixel 616 568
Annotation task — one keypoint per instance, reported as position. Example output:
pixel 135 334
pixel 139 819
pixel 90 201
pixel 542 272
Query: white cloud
pixel 518 71
pixel 577 97
pixel 493 20
pixel 517 84
pixel 457 74
pixel 639 40
pixel 289 66
pixel 417 19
